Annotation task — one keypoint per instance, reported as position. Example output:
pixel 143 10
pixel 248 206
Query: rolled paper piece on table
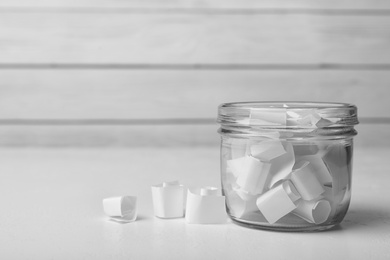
pixel 307 184
pixel 121 209
pixel 314 211
pixel 282 166
pixel 168 200
pixel 319 168
pixel 204 209
pixel 253 175
pixel 278 202
pixel 267 150
pixel 271 116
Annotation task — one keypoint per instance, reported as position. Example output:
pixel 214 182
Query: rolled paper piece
pixel 305 181
pixel 315 211
pixel 267 150
pixel 278 202
pixel 282 166
pixel 204 209
pixel 270 116
pixel 168 200
pixel 253 175
pixel 319 168
pixel 121 209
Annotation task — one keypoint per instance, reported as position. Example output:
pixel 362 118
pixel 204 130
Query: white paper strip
pixel 204 209
pixel 253 175
pixel 121 209
pixel 306 182
pixel 168 200
pixel 316 212
pixel 278 202
pixel 267 150
pixel 270 116
pixel 319 168
pixel 282 166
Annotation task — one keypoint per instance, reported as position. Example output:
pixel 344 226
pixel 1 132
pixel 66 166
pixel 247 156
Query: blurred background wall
pixel 152 73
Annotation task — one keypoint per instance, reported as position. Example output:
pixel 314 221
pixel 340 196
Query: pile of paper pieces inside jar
pixel 273 178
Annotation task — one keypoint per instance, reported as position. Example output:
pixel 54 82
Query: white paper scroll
pixel 270 116
pixel 121 209
pixel 253 175
pixel 168 200
pixel 314 211
pixel 319 168
pixel 306 182
pixel 281 166
pixel 267 150
pixel 205 209
pixel 278 201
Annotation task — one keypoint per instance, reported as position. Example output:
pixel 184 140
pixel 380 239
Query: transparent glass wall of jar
pixel 287 166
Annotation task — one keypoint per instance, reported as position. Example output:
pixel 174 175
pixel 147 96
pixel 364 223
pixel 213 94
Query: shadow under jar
pixel 287 166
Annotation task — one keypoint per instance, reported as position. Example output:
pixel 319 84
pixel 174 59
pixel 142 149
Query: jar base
pixel 283 228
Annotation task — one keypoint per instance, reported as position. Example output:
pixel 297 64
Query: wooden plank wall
pixel 136 73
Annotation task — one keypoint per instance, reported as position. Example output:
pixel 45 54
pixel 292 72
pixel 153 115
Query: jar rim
pixel 287 114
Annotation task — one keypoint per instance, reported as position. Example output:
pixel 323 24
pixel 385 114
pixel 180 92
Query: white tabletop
pixel 51 208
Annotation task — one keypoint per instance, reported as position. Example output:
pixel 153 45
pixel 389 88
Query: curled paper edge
pixel 121 209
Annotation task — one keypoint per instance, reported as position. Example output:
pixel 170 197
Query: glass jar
pixel 287 165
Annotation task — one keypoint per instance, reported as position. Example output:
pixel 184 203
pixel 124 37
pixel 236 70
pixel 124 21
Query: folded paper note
pixel 316 212
pixel 306 182
pixel 278 201
pixel 168 200
pixel 121 209
pixel 205 206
